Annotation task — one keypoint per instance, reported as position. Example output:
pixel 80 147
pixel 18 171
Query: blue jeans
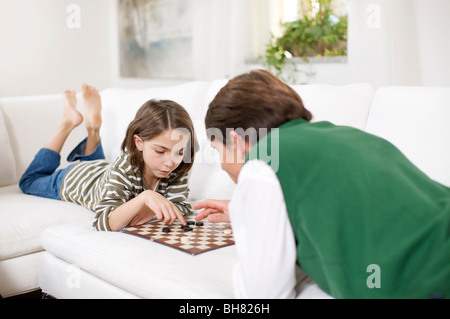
pixel 42 179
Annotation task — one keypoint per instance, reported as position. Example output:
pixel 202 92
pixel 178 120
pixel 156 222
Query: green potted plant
pixel 321 34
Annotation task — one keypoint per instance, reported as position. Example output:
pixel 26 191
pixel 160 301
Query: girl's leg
pixel 93 116
pixel 40 178
pixel 90 149
pixel 71 119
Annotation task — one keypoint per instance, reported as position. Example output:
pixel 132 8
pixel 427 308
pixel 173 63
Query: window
pixel 309 29
pixel 296 9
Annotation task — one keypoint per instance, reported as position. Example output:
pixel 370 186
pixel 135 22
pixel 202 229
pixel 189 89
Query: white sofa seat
pixel 22 220
pixel 135 266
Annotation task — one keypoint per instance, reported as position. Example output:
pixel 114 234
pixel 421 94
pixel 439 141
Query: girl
pixel 345 206
pixel 148 179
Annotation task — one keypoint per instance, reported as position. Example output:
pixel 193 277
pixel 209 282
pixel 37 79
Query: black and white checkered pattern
pixel 201 239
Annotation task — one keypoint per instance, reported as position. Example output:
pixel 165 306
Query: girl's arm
pixel 178 192
pixel 141 209
pixel 119 207
pixel 122 216
pixel 115 193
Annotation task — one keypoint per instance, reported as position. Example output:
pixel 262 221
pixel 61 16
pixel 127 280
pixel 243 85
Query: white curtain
pixel 227 33
pixel 382 42
pixel 434 46
pixel 399 42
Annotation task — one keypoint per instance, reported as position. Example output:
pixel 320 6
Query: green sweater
pixel 367 222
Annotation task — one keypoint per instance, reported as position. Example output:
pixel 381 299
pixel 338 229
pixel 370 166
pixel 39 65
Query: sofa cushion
pixel 24 217
pixel 207 179
pixel 417 121
pixel 141 267
pixel 7 164
pixel 19 275
pixel 340 104
pixel 31 120
pixel 347 105
pixel 62 280
pixel 120 107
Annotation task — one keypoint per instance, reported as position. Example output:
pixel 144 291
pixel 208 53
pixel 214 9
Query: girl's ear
pixel 138 142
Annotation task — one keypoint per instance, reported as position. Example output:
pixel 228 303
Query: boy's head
pixel 256 100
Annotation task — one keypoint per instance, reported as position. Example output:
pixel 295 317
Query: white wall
pixel 433 30
pixel 401 42
pixel 40 54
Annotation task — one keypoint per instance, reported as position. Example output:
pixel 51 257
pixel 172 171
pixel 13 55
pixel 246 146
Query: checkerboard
pixel 200 239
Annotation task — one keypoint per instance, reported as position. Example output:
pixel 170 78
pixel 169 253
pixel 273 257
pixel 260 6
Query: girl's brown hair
pixel 153 118
pixel 254 100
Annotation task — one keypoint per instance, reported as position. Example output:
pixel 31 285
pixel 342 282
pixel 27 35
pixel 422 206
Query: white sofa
pixel 50 244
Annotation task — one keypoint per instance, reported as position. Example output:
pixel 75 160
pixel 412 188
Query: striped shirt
pixel 102 187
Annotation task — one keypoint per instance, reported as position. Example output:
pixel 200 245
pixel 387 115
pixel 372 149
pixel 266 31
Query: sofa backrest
pixel 30 121
pixel 346 105
pixel 417 121
pixel 341 105
pixel 120 107
pixel 8 174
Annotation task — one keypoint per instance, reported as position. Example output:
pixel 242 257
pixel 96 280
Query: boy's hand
pixel 215 210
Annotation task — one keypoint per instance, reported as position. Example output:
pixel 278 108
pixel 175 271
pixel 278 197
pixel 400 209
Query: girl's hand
pixel 215 210
pixel 163 208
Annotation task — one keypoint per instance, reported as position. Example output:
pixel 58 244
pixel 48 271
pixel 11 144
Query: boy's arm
pixel 266 247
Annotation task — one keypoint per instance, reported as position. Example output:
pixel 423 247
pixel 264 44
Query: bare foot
pixel 72 117
pixel 92 107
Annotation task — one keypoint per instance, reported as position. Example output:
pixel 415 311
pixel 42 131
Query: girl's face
pixel 163 153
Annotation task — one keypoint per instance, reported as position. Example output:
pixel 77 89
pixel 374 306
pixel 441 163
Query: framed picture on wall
pixel 155 38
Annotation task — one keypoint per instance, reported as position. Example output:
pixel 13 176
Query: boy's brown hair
pixel 257 100
pixel 153 118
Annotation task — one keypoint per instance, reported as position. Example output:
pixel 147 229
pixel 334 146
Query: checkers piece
pixel 188 228
pixel 190 222
pixel 166 230
pixel 199 224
